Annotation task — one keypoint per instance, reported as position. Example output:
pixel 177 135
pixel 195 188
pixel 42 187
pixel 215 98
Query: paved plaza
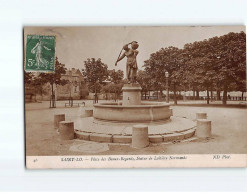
pixel 228 129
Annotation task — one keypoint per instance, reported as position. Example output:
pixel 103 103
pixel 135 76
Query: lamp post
pixel 70 93
pixel 95 92
pixel 167 86
pixel 70 88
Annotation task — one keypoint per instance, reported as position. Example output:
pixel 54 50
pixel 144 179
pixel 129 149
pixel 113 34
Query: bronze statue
pixel 131 66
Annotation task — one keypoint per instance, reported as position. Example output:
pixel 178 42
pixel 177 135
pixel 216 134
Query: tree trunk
pixel 224 95
pixel 161 95
pixel 197 95
pixel 35 92
pixel 242 95
pixel 175 95
pixel 41 93
pixel 207 96
pixel 193 94
pixel 184 96
pixel 52 97
pixel 218 95
pixel 94 94
pixel 211 93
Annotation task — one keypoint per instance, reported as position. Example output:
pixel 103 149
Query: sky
pixel 75 44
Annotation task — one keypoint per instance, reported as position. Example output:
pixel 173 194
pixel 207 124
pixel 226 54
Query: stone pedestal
pixel 66 130
pixel 203 129
pixel 171 111
pixel 81 111
pixel 88 112
pixel 131 94
pixel 201 115
pixel 140 136
pixel 58 118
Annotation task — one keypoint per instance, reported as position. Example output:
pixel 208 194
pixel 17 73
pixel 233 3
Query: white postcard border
pixel 137 161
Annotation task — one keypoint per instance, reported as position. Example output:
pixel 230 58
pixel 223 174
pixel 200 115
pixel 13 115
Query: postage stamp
pixel 40 53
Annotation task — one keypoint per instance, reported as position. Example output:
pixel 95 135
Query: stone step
pixel 126 139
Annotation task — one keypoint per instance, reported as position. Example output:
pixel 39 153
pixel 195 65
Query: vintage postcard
pixel 135 97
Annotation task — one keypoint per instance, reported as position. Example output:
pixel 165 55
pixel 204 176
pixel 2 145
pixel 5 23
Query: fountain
pixel 132 109
pixel 112 122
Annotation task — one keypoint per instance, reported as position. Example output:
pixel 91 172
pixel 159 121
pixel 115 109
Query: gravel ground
pixel 228 128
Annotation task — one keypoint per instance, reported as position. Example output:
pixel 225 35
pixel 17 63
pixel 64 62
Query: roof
pixel 74 72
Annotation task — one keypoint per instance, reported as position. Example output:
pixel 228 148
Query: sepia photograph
pixel 135 96
pixel 123 96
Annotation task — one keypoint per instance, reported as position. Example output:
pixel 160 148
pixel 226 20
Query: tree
pixel 242 86
pixel 113 88
pixel 218 63
pixel 95 73
pixel 27 77
pixel 37 85
pixel 145 81
pixel 116 76
pixel 54 78
pixel 166 59
pixel 33 83
pixel 222 61
pixel 229 54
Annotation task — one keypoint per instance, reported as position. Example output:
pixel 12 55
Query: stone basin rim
pixel 130 123
pixel 148 105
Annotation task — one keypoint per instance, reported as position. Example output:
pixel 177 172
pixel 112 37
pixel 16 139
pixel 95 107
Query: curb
pixel 127 139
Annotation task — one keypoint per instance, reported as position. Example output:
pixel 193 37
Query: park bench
pixel 72 103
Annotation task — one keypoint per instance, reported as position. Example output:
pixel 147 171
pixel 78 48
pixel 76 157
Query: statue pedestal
pixel 131 94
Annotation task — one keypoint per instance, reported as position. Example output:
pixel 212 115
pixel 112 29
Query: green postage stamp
pixel 40 53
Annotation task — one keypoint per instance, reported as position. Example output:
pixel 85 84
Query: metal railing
pixel 233 98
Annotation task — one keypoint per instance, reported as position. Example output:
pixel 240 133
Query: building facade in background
pixel 76 87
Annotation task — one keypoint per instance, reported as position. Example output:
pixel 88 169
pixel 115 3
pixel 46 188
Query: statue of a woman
pixel 131 66
pixel 40 61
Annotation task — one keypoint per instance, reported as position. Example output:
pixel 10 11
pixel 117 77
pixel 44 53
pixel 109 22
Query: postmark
pixel 40 53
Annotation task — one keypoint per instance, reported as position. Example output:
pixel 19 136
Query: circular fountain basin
pixel 145 112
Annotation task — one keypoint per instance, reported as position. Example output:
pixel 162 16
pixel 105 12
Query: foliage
pixel 218 63
pixel 113 88
pixel 144 80
pixel 54 78
pixel 116 76
pixel 165 60
pixel 223 62
pixel 95 73
pixel 27 77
